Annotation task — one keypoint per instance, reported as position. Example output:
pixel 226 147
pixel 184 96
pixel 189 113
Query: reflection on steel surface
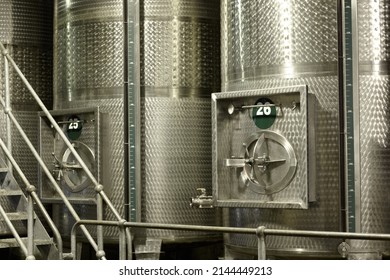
pixel 271 44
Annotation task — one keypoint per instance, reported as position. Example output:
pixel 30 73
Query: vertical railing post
pixel 30 223
pixel 7 107
pixel 261 249
pixel 99 216
pixel 122 239
pixel 129 238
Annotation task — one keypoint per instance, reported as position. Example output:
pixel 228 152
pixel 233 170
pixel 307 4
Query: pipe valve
pixel 202 200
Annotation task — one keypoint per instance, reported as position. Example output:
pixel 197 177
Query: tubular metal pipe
pixel 122 241
pixel 260 232
pixel 7 108
pixel 99 217
pixel 279 232
pixel 48 174
pixel 109 203
pixel 129 238
pixel 12 228
pixel 30 226
pixel 261 247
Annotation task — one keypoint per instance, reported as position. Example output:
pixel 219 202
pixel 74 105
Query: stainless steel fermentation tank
pixel 280 44
pixel 180 62
pixel 180 54
pixel 26 31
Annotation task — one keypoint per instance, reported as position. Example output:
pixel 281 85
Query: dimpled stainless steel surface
pixel 26 29
pixel 176 161
pixel 180 48
pixel 180 62
pixel 271 44
pixel 88 72
pixel 374 86
pixel 180 43
pixel 26 22
pixel 89 51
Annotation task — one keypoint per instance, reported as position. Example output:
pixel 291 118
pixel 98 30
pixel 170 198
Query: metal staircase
pixel 15 205
pixel 27 230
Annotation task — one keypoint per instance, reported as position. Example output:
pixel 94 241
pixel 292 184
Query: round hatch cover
pixel 270 162
pixel 74 176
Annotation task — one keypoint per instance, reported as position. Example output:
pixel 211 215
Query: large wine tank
pixel 180 69
pixel 281 44
pixel 26 31
pixel 179 54
pixel 371 129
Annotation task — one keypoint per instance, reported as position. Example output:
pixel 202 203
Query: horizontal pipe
pixel 279 232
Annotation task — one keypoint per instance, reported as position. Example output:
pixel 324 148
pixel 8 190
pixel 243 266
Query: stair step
pixel 3 169
pixel 16 216
pixel 4 192
pixel 11 242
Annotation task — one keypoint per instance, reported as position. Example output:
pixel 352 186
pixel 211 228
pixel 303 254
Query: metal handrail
pixel 31 191
pixel 101 196
pixel 261 232
pixel 47 172
pixel 98 186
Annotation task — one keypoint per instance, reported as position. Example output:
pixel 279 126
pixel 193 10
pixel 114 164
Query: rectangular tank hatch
pixel 264 148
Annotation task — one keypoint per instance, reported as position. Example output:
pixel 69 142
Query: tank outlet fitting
pixel 202 200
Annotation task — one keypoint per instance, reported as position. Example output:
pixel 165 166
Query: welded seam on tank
pixel 300 70
pixel 176 92
pixel 374 68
